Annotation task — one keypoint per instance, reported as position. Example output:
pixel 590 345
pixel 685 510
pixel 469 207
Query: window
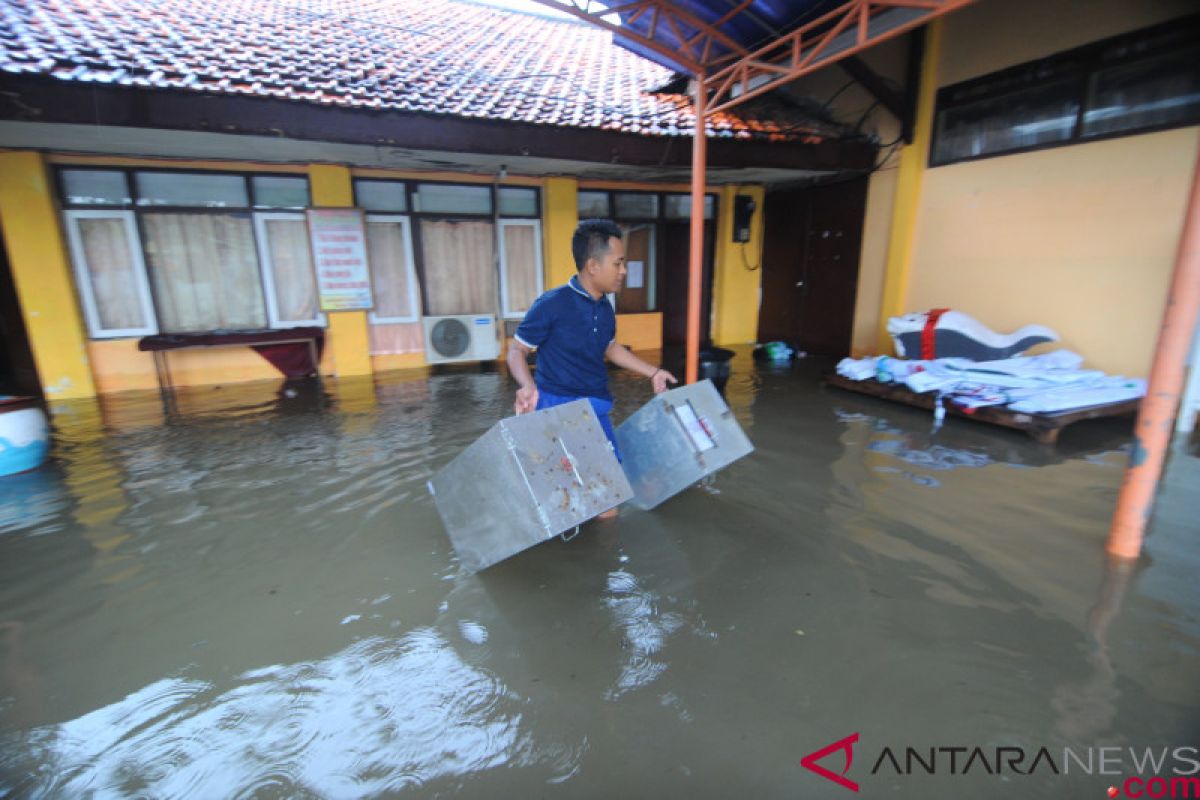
pixel 110 274
pixel 679 206
pixel 635 206
pixel 373 195
pixel 204 270
pixel 393 276
pixel 518 202
pixel 93 187
pixel 592 205
pixel 1138 82
pixel 181 189
pixel 289 278
pixel 1151 93
pixel 520 266
pixel 272 191
pixel 453 199
pixel 203 260
pixel 460 268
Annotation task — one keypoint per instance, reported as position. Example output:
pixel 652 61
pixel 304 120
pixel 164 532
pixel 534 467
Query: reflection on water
pixel 250 594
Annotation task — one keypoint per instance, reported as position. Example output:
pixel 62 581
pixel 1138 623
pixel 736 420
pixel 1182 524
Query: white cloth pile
pixel 1031 384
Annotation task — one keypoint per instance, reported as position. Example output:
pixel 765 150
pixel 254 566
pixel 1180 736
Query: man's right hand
pixel 527 399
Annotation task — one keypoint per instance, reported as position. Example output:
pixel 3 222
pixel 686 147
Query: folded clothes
pixel 1031 384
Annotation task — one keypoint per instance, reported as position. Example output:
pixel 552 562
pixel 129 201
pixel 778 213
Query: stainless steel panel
pixel 676 439
pixel 527 480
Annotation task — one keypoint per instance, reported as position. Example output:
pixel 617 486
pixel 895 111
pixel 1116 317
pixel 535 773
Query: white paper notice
pixel 695 429
pixel 636 278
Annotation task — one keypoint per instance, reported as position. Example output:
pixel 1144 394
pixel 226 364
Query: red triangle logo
pixel 847 744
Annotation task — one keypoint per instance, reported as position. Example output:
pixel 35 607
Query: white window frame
pixel 414 292
pixel 83 277
pixel 536 224
pixel 267 272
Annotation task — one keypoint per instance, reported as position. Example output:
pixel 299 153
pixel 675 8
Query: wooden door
pixel 811 251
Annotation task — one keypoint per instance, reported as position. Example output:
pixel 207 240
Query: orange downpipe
pixel 696 245
pixel 1156 419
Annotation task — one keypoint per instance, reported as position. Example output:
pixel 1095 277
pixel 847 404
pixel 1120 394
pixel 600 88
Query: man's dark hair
pixel 591 240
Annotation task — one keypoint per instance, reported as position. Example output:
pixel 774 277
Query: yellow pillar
pixel 561 217
pixel 42 274
pixel 906 205
pixel 347 337
pixel 738 271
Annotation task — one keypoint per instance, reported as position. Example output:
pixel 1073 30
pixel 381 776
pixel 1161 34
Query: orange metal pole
pixel 1156 420
pixel 696 248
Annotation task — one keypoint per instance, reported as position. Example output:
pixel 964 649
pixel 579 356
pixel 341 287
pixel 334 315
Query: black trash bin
pixel 714 365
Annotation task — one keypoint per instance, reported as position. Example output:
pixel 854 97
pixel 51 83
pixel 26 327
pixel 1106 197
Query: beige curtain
pixel 205 271
pixel 460 272
pixel 396 338
pixel 520 266
pixel 292 270
pixel 109 262
pixel 388 258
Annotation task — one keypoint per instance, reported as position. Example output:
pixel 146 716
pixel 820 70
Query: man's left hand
pixel 660 379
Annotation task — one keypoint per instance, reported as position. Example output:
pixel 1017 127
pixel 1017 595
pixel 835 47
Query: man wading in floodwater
pixel 574 329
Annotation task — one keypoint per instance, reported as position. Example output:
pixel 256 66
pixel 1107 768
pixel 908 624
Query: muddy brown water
pixel 253 596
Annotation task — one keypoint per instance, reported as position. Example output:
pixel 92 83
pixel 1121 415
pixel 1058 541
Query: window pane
pixel 111 270
pixel 460 269
pixel 176 189
pixel 279 192
pixel 638 294
pixel 388 256
pixel 1144 95
pixel 637 205
pixel 204 271
pixel 93 187
pixel 593 205
pixel 292 273
pixel 518 202
pixel 1014 121
pixel 520 267
pixel 679 206
pixel 434 197
pixel 380 195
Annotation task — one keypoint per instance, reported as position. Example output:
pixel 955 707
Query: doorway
pixel 811 247
pixel 676 244
pixel 18 375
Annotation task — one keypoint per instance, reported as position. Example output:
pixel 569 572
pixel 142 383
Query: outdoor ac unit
pixel 464 337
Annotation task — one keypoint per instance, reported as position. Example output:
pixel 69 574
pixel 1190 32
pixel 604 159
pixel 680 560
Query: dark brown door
pixel 810 266
pixel 676 242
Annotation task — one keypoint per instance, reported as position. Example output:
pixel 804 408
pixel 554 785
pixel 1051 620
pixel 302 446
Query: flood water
pixel 253 596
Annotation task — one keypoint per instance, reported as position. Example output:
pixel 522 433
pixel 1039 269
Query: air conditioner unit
pixel 464 337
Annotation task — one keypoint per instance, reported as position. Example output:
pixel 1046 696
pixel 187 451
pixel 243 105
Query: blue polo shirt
pixel 570 331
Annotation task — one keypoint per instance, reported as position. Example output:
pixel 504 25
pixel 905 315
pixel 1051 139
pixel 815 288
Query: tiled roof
pixel 445 57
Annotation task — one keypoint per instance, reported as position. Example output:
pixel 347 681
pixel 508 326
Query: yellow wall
pixel 347 339
pixel 737 276
pixel 906 202
pixel 42 275
pixel 993 34
pixel 116 365
pixel 640 331
pixel 560 212
pixel 1080 238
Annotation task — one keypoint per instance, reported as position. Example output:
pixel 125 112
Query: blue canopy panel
pixel 758 24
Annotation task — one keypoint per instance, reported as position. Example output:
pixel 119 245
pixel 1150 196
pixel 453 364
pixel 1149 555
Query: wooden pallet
pixel 1043 428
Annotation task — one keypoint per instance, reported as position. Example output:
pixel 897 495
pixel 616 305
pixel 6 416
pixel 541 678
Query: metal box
pixel 526 480
pixel 676 439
